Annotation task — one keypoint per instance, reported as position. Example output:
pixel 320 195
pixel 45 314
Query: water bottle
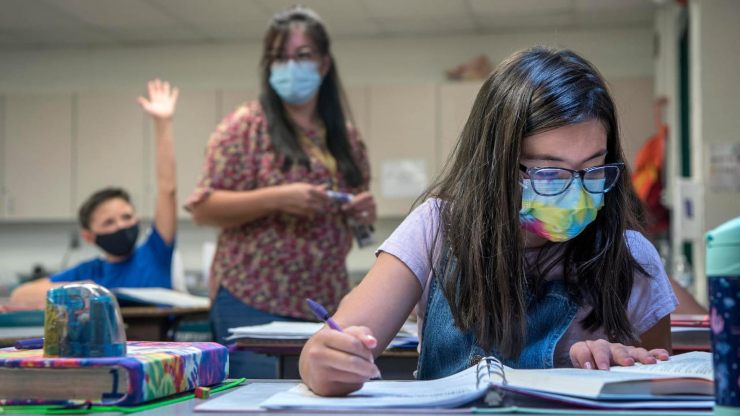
pixel 723 274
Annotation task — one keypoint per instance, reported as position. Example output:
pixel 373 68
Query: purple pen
pixel 323 315
pixel 29 344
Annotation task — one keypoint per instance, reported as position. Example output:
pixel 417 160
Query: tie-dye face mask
pixel 560 217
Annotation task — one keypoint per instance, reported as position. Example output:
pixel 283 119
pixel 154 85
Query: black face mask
pixel 119 243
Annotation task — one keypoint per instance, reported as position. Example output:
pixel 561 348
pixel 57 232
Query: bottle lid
pixel 723 246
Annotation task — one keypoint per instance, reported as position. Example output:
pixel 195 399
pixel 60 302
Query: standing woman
pixel 268 168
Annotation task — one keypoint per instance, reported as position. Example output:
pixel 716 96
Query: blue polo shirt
pixel 150 265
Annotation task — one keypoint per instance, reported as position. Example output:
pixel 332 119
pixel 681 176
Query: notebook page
pixel 692 364
pixel 570 381
pixel 451 391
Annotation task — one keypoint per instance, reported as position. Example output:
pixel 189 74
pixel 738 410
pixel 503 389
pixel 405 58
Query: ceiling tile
pixel 613 19
pixel 485 8
pixel 601 6
pixel 427 26
pixel 525 22
pixel 62 23
pixel 213 13
pixel 114 14
pixel 382 9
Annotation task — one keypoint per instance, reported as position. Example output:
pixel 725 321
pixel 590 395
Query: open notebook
pixel 683 382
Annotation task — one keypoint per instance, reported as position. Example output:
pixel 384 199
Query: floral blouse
pixel 274 263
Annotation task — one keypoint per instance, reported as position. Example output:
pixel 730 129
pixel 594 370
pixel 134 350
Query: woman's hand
pixel 302 199
pixel 162 100
pixel 337 363
pixel 362 208
pixel 601 354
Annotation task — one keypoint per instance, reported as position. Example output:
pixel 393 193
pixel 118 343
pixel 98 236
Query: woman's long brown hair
pixel 332 105
pixel 533 91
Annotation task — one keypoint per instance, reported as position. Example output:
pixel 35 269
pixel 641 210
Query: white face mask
pixel 295 82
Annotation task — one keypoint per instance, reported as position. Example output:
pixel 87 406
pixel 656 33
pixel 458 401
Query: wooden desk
pixel 10 334
pixel 142 323
pixel 400 363
pixel 154 323
pixel 394 363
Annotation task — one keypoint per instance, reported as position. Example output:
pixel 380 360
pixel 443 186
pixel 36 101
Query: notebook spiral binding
pixel 488 367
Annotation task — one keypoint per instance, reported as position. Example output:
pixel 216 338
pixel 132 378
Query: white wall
pixel 715 114
pixel 625 53
pixel 621 54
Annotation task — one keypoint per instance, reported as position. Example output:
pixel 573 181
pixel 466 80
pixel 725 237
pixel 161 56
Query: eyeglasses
pixel 554 181
pixel 304 55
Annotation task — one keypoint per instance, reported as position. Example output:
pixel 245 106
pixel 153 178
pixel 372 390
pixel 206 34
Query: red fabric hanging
pixel 648 175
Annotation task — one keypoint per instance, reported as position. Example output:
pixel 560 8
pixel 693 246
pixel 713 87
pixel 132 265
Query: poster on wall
pixel 403 178
pixel 724 167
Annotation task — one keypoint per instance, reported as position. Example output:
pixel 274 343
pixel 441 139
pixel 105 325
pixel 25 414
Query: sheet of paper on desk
pixel 284 330
pixel 161 296
pixel 277 330
pixel 245 398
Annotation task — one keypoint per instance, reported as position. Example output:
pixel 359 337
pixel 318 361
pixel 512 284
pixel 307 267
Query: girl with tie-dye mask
pixel 525 248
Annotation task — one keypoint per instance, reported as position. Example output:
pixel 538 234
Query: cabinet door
pixel 455 102
pixel 110 146
pixel 38 157
pixel 402 144
pixel 195 120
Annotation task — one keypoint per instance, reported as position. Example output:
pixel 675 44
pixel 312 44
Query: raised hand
pixel 162 99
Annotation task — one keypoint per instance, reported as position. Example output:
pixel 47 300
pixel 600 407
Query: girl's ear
pixel 325 65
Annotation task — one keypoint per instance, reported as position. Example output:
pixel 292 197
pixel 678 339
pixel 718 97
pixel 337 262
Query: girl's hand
pixel 337 363
pixel 302 199
pixel 601 354
pixel 162 100
pixel 362 208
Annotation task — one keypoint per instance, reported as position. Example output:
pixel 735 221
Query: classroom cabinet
pixel 58 149
pixel 37 157
pixel 195 118
pixel 110 149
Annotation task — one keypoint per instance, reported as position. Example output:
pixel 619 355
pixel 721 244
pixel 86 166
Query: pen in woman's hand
pixel 323 315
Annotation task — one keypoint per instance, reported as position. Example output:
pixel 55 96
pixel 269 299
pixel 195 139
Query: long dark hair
pixel 532 91
pixel 332 104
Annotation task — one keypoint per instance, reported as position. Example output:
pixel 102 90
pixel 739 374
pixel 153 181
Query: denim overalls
pixel 446 350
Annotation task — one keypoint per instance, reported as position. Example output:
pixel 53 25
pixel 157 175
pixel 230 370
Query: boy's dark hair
pixel 533 91
pixel 332 103
pixel 93 201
